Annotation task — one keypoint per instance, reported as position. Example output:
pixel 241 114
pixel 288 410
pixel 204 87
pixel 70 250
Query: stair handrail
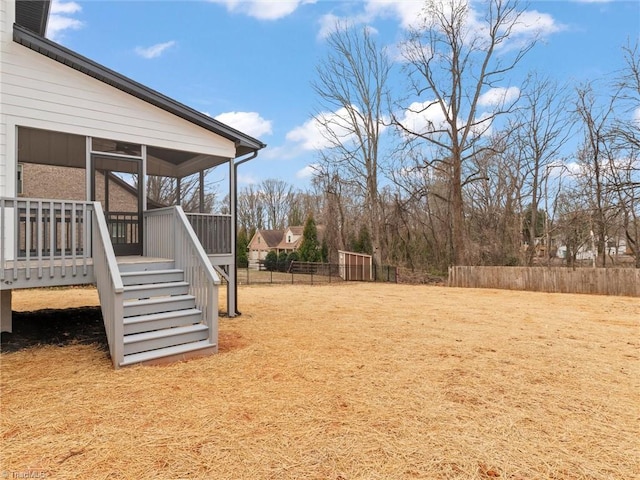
pixel 189 255
pixel 109 283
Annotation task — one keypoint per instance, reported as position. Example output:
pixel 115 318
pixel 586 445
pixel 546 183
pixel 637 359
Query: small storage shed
pixel 355 266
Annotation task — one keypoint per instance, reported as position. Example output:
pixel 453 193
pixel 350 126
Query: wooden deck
pixel 46 273
pixel 57 272
pixel 159 307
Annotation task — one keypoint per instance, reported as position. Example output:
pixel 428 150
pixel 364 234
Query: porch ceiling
pixel 68 150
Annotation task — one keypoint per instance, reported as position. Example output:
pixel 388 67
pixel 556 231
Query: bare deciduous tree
pixel 351 83
pixel 276 199
pixel 250 210
pixel 593 157
pixel 454 59
pixel 164 191
pixel 625 137
pixel 542 127
pixel 492 206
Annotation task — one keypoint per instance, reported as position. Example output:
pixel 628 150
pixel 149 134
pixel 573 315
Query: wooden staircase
pixel 161 323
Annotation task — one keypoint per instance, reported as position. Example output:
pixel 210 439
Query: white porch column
pixel 6 323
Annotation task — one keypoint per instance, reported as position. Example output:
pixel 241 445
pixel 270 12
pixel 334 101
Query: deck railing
pixel 109 283
pixel 123 227
pixel 168 234
pixel 45 234
pixel 213 231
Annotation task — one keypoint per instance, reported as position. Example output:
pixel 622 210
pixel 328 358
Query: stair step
pixel 146 277
pixel 155 290
pixel 168 337
pixel 175 351
pixel 144 266
pixel 157 321
pixel 134 308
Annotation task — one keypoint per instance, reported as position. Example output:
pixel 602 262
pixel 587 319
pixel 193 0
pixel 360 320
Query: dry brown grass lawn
pixel 356 381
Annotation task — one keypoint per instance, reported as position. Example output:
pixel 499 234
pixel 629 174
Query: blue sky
pixel 250 63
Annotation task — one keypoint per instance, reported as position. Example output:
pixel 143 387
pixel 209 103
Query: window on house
pixel 289 239
pixel 19 186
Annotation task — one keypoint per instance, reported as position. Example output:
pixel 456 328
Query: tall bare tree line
pixel 441 174
pixel 473 179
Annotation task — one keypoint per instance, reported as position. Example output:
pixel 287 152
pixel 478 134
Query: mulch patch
pixel 55 327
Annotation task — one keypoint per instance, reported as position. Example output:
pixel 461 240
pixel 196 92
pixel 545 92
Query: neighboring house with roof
pixel 262 242
pixel 265 241
pixel 157 271
pixel 291 239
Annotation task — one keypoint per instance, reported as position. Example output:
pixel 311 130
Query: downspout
pixel 234 220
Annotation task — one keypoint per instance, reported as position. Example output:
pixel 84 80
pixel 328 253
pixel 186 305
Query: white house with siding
pixel 157 270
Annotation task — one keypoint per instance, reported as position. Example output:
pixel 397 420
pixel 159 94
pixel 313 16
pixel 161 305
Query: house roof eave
pixel 244 143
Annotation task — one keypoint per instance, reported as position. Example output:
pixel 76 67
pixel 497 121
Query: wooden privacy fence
pixel 600 281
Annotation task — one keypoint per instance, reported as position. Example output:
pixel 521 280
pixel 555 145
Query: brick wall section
pixel 66 183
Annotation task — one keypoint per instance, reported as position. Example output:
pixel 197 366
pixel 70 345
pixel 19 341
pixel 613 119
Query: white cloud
pixel 409 12
pixel 247 179
pixel 498 96
pixel 307 172
pixel 282 152
pixel 328 24
pixel 483 125
pixel 528 26
pixel 324 130
pixel 313 135
pixel 154 51
pixel 250 123
pixel 429 117
pixel 557 168
pixel 405 52
pixel 636 116
pixel 414 14
pixel 422 117
pixel 58 7
pixel 263 9
pixel 535 24
pixel 60 19
pixel 309 136
pixel 574 168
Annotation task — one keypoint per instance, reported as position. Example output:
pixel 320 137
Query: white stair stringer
pixel 161 320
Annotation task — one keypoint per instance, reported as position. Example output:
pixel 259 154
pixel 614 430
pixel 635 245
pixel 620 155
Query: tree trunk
pixel 457 217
